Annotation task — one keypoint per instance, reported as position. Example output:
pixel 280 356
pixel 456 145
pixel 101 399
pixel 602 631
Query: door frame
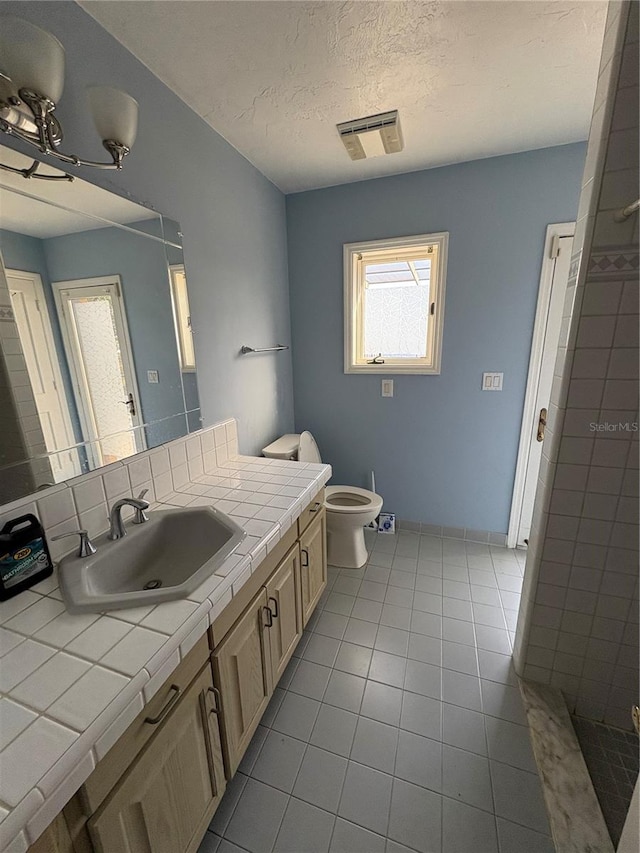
pixel 50 343
pixel 85 416
pixel 554 231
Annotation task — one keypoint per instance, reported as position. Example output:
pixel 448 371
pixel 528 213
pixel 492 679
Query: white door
pixel 36 338
pixel 96 338
pixel 553 288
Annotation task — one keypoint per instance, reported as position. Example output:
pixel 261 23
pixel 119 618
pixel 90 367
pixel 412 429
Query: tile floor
pixel 398 726
pixel 611 756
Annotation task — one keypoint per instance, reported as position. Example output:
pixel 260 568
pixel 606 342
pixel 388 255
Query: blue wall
pixel 444 452
pixel 232 217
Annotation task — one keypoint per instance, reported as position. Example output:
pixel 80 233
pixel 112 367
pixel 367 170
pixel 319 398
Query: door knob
pixel 542 422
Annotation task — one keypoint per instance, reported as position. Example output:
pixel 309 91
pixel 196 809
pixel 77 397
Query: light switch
pixel 152 377
pixel 387 387
pixel 492 381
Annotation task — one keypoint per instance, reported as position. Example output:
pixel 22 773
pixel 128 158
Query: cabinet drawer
pixel 307 515
pixel 120 756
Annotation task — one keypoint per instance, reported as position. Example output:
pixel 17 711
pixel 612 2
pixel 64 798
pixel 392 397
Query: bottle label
pixel 23 562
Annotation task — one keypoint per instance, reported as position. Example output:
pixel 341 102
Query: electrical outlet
pixel 492 381
pixel 387 387
pixel 152 377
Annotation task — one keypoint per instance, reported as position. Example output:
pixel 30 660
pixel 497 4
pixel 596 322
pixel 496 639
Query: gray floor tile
pixel 304 828
pixel 392 640
pixel 456 631
pixel 461 689
pixel 375 745
pixel 360 632
pixel 493 639
pixel 421 715
pixel 210 843
pixel 253 750
pixel 367 610
pixel 227 847
pixel 381 558
pixel 456 589
pixel 510 744
pixel 468 830
pixel 331 625
pixel 497 667
pixel 419 760
pixel 389 669
pixel 310 679
pixel 399 597
pixel 322 650
pixel 256 820
pixel 405 580
pixel 382 702
pixel 517 839
pixel 478 577
pixel 296 716
pixel 345 691
pixel 349 838
pixel 423 678
pixel 396 617
pixel 404 563
pixel 377 574
pixel 415 818
pixel 334 729
pixel 426 623
pixel 338 602
pixel 354 659
pixel 456 608
pixel 455 573
pixel 320 778
pixel 485 595
pixel 279 761
pixel 465 777
pixel 395 847
pixel 228 804
pixel 518 797
pixel 347 585
pixel 272 708
pixel 426 649
pixel 372 590
pixel 366 798
pixel 427 583
pixel 464 728
pixel 501 700
pixel 427 602
pixel 430 567
pixel 459 657
pixel 485 614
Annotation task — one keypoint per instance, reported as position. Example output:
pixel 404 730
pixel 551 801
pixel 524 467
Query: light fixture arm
pixel 42 129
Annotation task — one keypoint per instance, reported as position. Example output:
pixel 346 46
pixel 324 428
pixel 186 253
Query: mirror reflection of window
pixel 182 317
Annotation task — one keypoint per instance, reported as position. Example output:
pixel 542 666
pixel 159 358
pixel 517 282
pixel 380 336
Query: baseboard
pixel 485 537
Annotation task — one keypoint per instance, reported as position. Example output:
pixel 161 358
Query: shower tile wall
pixel 578 621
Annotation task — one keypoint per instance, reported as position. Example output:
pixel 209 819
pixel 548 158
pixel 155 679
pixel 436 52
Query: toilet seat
pixel 350 499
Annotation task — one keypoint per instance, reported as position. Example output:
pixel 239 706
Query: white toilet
pixel 349 509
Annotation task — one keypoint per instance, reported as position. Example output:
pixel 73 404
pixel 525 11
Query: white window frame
pixel 353 285
pixel 182 324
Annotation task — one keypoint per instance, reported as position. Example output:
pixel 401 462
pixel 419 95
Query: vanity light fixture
pixel 31 84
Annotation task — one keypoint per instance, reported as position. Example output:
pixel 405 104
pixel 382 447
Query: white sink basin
pixel 165 558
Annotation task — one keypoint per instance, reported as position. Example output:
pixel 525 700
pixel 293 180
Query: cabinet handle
pixel 217 709
pixel 305 558
pixel 269 615
pixel 315 507
pixel 275 606
pixel 153 721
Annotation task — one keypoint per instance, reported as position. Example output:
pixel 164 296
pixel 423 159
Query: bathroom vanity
pixel 160 783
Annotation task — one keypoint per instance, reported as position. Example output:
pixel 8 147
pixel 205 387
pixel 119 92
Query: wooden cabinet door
pixel 313 564
pixel 283 600
pixel 242 668
pixel 165 800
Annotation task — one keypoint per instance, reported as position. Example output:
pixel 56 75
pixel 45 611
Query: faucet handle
pixel 86 548
pixel 141 516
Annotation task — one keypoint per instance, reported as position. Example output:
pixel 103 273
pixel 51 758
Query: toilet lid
pixel 308 449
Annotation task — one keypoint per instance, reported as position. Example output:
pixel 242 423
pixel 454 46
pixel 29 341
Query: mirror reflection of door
pixel 96 339
pixel 38 347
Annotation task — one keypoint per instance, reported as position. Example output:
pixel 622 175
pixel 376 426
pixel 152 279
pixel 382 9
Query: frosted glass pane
pixel 104 372
pixel 396 309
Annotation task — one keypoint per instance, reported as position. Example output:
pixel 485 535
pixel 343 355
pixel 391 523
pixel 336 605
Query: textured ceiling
pixel 470 79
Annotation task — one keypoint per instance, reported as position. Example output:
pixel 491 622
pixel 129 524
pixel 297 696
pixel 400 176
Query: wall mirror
pixel 97 359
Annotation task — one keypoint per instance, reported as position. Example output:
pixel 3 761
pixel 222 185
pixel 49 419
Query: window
pixel 394 304
pixel 182 318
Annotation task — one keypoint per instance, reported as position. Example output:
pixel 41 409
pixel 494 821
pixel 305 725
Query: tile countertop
pixel 71 685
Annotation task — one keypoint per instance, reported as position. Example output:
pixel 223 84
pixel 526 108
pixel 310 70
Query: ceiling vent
pixel 372 136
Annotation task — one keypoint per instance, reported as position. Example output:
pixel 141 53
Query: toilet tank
pixel 285 447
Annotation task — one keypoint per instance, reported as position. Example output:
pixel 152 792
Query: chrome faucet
pixel 116 525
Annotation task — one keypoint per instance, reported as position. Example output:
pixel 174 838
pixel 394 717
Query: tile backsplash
pixel 83 502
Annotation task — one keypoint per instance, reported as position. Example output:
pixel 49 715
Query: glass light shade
pixel 32 58
pixel 115 114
